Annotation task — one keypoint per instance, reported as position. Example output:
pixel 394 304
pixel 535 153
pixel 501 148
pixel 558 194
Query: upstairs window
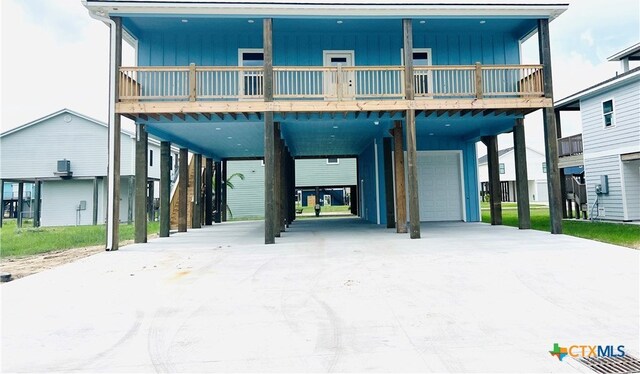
pixel 501 168
pixel 333 161
pixel 544 167
pixel 607 113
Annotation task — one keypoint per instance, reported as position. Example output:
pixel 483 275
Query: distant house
pixel 536 171
pixel 609 146
pixel 66 154
pixel 334 179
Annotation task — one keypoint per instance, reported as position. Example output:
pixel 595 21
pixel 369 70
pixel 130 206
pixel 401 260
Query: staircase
pixel 190 192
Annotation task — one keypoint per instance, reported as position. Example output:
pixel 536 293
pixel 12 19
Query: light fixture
pixel 228 137
pixel 335 127
pixel 423 22
pixel 376 123
pixel 239 145
pixel 447 124
pixel 250 21
pixel 333 136
pixel 430 134
pixel 483 22
pixel 185 20
pixel 218 128
pixel 339 22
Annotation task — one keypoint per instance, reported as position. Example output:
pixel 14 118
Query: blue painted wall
pixel 367 170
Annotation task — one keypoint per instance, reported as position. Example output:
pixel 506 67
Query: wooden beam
pixel 550 131
pixel 207 116
pixel 401 197
pixel 154 116
pixel 259 116
pixel 233 116
pixel 219 115
pixel 387 144
pixel 195 116
pixel 522 180
pixel 495 192
pixel 464 112
pixel 475 112
pixel 165 189
pixel 196 219
pixel 183 183
pixel 487 112
pixel 393 113
pixel 141 171
pixel 368 114
pixel 357 115
pixel 143 117
pixel 440 113
pixel 168 116
pixel 245 115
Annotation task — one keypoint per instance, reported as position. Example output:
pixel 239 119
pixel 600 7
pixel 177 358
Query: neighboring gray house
pixel 332 176
pixel 536 172
pixel 74 196
pixel 610 149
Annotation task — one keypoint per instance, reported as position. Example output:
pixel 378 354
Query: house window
pixel 544 167
pixel 333 160
pixel 607 113
pixel 252 82
pixel 151 157
pixel 501 168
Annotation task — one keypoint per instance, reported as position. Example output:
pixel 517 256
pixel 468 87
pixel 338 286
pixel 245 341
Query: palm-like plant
pixel 230 184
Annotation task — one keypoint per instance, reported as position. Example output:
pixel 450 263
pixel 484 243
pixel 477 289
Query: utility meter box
pixel 603 187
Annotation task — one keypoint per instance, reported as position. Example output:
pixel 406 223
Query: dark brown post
pixel 183 185
pixel 151 210
pixel 223 192
pixel 196 221
pixel 270 216
pixel 550 131
pixel 522 180
pixel 20 204
pixel 113 177
pixel 388 182
pixel 165 189
pixel 1 201
pixel 208 192
pixel 283 186
pixel 277 185
pixel 495 194
pixel 140 211
pixel 401 194
pixel 37 207
pixel 566 204
pixel 412 156
pixel 217 194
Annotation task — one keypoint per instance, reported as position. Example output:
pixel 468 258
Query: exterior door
pixel 338 84
pixel 327 200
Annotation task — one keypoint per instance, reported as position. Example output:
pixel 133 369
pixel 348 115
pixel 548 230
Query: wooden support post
pixel 478 81
pixel 495 195
pixel 401 194
pixel 96 201
pixel 217 194
pixel 165 189
pixel 550 131
pixel 412 156
pixel 130 198
pixel 183 185
pixel 522 180
pixel 196 220
pixel 223 192
pixel 37 206
pixel 283 186
pixel 141 178
pixel 20 206
pixel 277 185
pixel 151 210
pixel 270 216
pixel 388 182
pixel 208 192
pixel 114 130
pixel 293 187
pixel 192 82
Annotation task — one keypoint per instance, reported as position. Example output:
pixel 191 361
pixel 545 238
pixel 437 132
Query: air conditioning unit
pixel 64 169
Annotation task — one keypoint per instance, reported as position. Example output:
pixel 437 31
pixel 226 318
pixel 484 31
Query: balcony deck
pixel 215 91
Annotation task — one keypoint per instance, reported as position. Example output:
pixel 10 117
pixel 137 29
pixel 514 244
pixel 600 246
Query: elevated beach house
pixel 406 88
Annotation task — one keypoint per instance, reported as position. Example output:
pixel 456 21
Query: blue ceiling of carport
pixel 467 127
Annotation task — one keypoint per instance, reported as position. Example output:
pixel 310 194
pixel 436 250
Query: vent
pixel 64 169
pixel 625 364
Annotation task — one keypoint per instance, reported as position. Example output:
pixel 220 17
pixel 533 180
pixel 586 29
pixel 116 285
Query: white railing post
pixel 339 83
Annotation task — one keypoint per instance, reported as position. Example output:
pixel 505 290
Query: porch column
pixel 223 192
pixel 37 207
pixel 183 185
pixel 277 181
pixel 270 216
pixel 217 194
pixel 283 186
pixel 401 197
pixel 293 187
pixel 412 156
pixel 522 180
pixel 550 131
pixel 113 165
pixel 495 195
pixel 20 203
pixel 140 221
pixel 151 211
pixel 388 182
pixel 196 222
pixel 1 201
pixel 208 192
pixel 165 189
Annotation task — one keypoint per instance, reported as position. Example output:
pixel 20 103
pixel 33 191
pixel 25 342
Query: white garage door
pixel 440 186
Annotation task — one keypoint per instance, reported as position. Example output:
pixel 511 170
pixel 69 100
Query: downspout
pixel 111 181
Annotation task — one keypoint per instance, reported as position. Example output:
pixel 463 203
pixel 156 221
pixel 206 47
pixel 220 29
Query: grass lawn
pixel 614 233
pixel 32 240
pixel 326 209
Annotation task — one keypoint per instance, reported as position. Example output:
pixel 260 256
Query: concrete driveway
pixel 332 295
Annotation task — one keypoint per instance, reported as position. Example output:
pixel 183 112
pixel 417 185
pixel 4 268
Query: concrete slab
pixel 332 295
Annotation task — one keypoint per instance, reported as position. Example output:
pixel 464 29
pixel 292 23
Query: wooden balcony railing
pixel 569 146
pixel 328 83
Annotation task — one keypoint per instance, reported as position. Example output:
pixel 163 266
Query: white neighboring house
pixel 31 153
pixel 536 173
pixel 610 113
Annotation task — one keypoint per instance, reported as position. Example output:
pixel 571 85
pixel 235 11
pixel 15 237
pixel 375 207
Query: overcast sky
pixel 55 56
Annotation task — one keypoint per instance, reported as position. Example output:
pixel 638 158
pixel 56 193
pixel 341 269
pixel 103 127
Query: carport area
pixel 334 295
